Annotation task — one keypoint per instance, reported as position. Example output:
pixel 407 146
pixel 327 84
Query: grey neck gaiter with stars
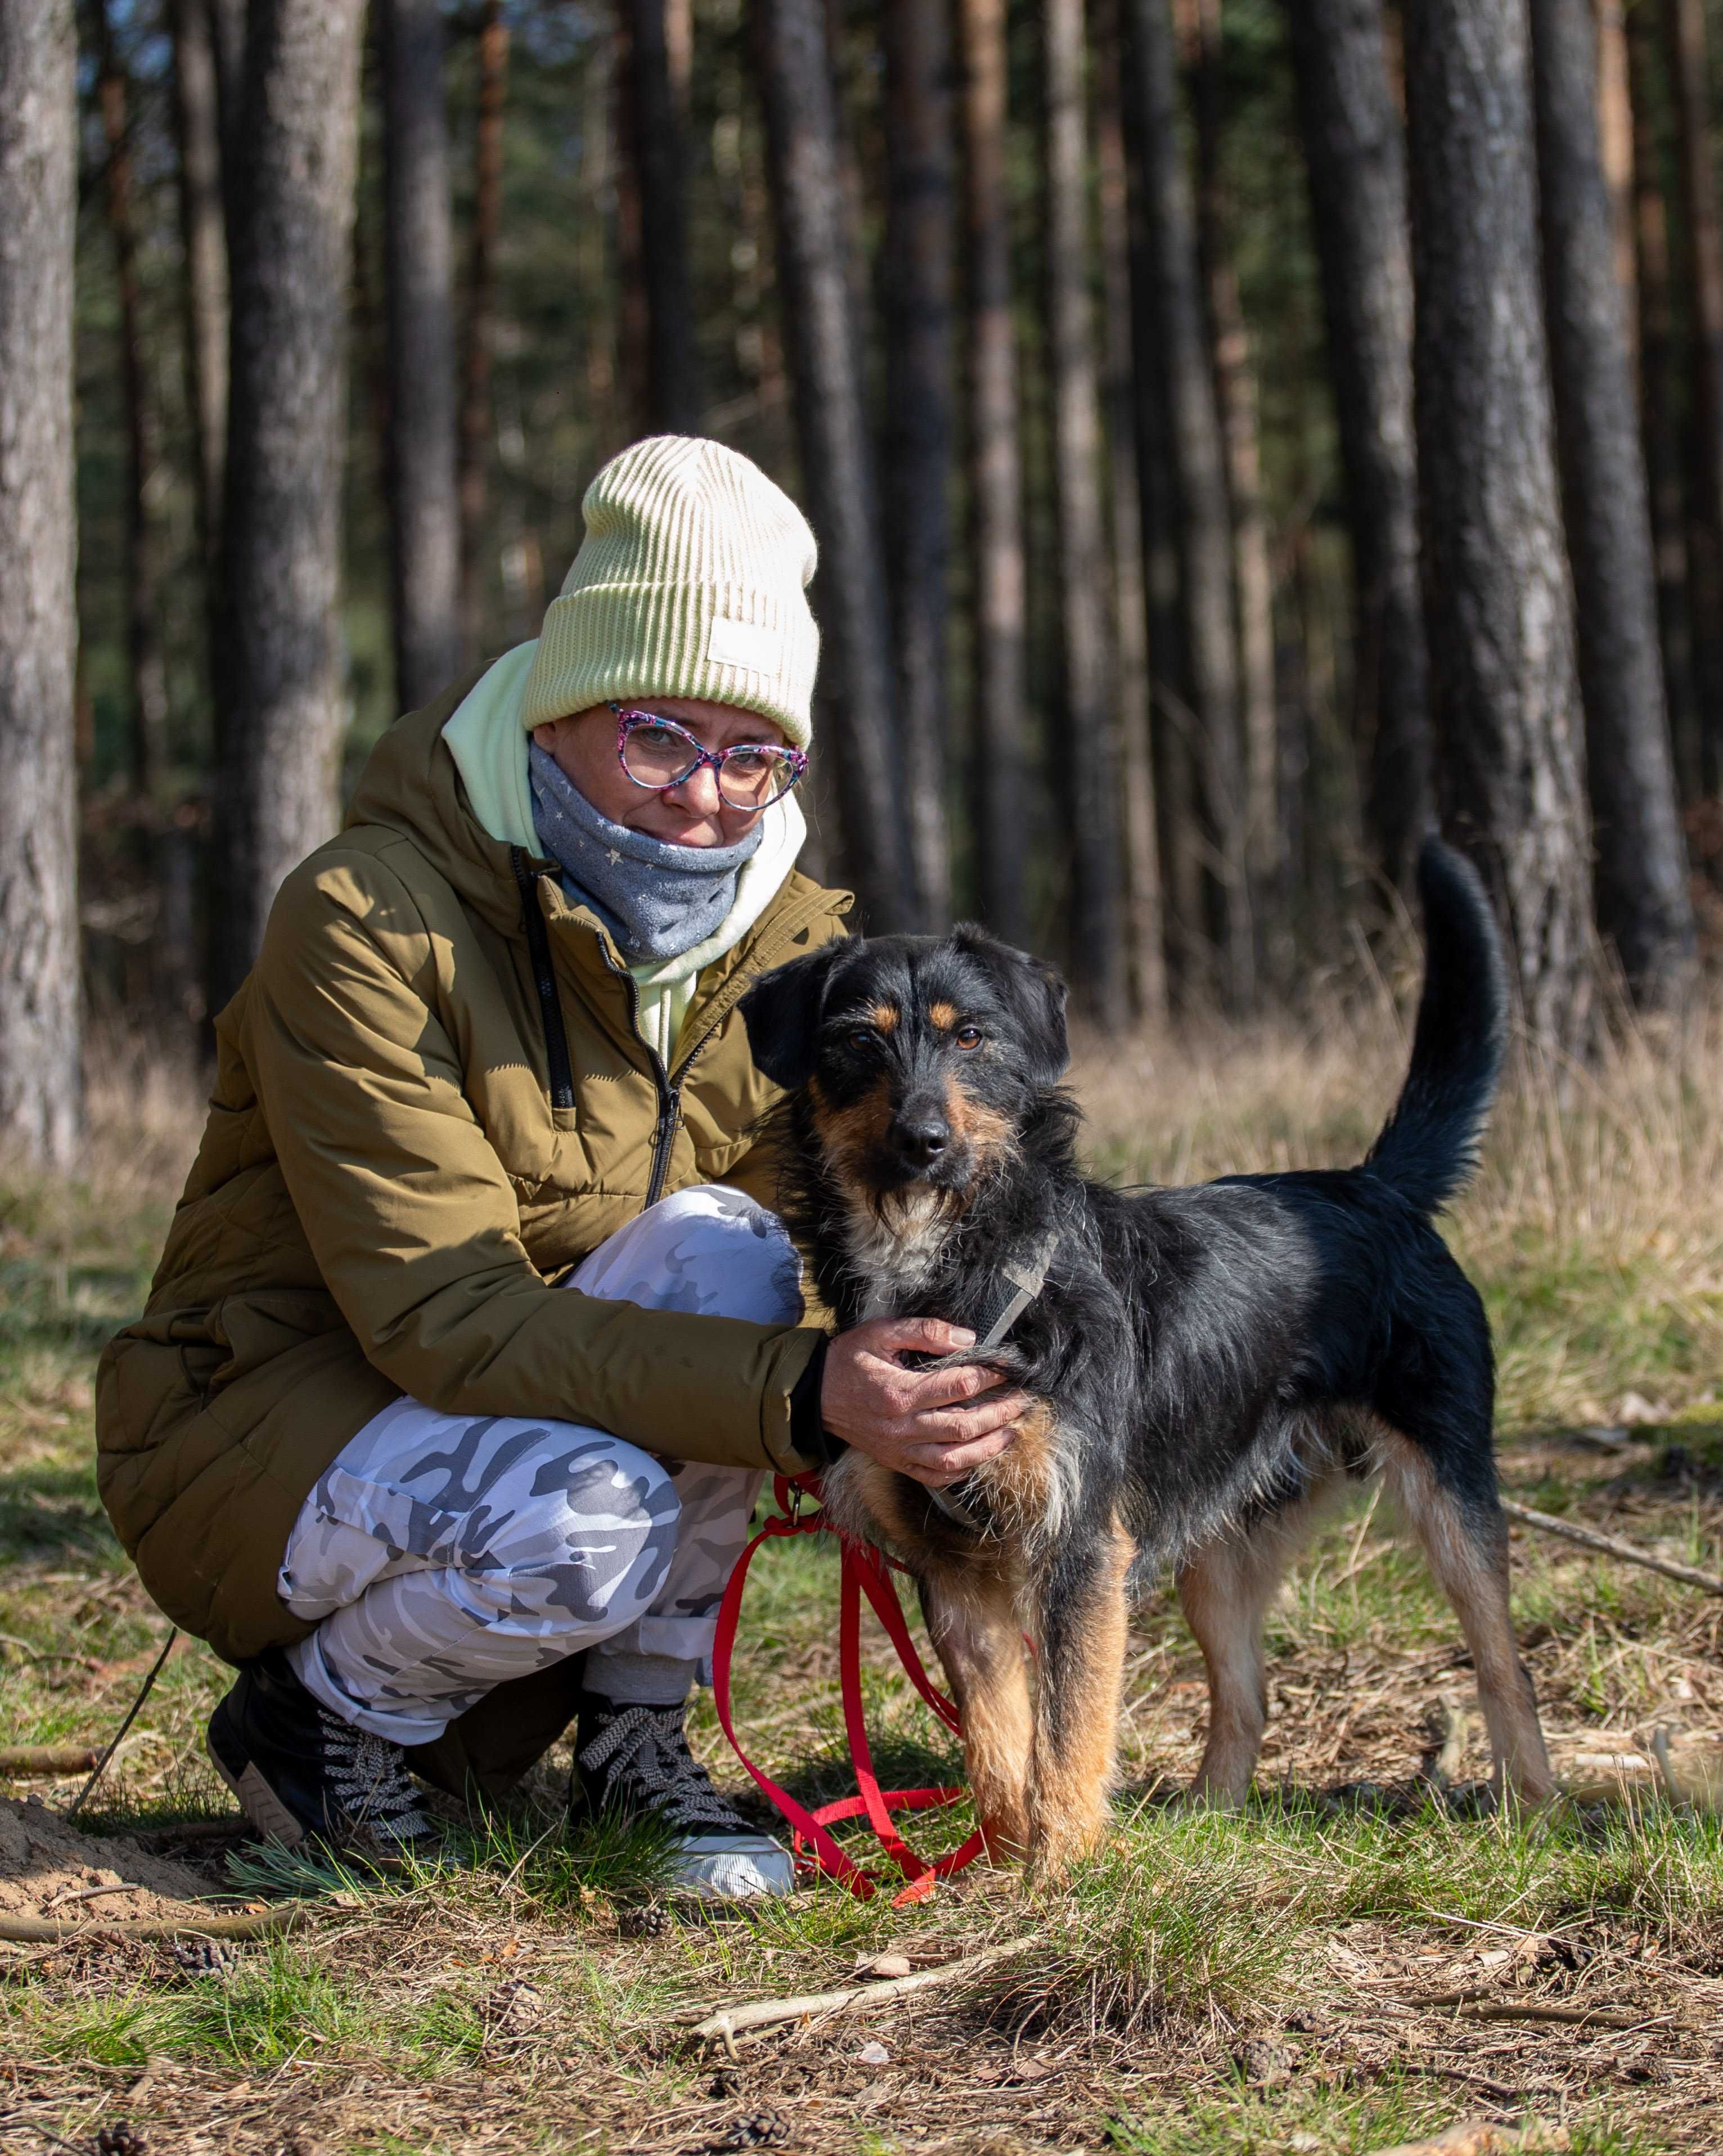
pixel 658 900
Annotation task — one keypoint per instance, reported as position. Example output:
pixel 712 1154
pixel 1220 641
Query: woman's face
pixel 691 814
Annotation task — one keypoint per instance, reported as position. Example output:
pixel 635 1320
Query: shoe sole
pixel 259 1802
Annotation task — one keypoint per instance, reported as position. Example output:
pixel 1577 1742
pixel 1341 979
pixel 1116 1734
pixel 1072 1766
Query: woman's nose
pixel 699 791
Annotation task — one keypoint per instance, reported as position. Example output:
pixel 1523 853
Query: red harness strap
pixel 863 1570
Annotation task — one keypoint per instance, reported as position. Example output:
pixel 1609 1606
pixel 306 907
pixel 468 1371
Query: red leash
pixel 865 1570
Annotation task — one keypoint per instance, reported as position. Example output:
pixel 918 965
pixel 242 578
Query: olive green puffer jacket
pixel 431 1100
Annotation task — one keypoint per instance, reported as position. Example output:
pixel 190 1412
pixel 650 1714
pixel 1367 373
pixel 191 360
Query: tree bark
pixel 229 23
pixel 1354 156
pixel 998 666
pixel 1172 778
pixel 1236 399
pixel 1089 750
pixel 284 706
pixel 202 232
pixel 41 1079
pixel 917 284
pixel 143 553
pixel 1659 404
pixel 1497 605
pixel 1189 426
pixel 420 443
pixel 1145 925
pixel 474 467
pixel 1642 905
pixel 1684 49
pixel 815 273
pixel 673 399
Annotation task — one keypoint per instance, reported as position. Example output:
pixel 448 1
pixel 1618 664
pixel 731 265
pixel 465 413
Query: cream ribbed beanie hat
pixel 689 583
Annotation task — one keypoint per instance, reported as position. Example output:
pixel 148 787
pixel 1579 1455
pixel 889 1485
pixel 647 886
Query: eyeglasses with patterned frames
pixel 657 753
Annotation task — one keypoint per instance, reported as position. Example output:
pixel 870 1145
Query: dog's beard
pixel 912 1209
pixel 894 1241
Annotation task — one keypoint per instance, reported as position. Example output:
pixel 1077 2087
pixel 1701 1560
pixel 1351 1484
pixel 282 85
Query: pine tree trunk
pixel 1190 427
pixel 1659 404
pixel 474 466
pixel 1497 605
pixel 284 704
pixel 1684 47
pixel 203 235
pixel 660 161
pixel 41 1077
pixel 1236 399
pixel 917 293
pixel 815 275
pixel 1145 925
pixel 229 22
pixel 1179 841
pixel 1000 641
pixel 1642 904
pixel 1355 155
pixel 143 564
pixel 418 249
pixel 1090 749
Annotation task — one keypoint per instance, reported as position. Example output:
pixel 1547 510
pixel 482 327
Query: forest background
pixel 1237 435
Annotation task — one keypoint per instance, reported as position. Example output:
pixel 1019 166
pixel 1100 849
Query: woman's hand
pixel 932 1426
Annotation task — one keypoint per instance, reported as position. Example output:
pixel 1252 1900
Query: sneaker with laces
pixel 303 1774
pixel 633 1761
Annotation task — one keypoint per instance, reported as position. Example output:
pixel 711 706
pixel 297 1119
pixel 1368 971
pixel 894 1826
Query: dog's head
pixel 919 1056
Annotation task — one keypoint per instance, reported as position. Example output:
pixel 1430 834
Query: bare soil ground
pixel 1354 1960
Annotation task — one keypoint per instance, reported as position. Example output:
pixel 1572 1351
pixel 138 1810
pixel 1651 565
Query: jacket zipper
pixel 670 1098
pixel 670 1095
pixel 544 977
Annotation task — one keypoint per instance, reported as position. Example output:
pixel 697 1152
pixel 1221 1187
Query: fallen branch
pixel 1478 2007
pixel 46 1758
pixel 1482 2137
pixel 37 1930
pixel 1531 2009
pixel 853 1998
pixel 1500 2092
pixel 90 1894
pixel 1612 1546
pixel 131 1714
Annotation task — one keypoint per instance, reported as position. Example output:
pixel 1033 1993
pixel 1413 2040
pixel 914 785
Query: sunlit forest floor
pixel 1356 1961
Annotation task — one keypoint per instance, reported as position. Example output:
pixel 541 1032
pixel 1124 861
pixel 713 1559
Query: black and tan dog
pixel 1206 1362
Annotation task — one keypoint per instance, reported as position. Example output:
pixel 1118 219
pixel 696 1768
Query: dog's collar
pixel 1017 1287
pixel 1018 1284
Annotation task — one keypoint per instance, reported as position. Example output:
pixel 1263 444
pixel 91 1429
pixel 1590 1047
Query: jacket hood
pixel 410 784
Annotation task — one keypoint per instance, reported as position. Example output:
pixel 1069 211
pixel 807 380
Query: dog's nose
pixel 922 1142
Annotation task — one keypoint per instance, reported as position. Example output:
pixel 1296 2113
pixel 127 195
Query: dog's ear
pixel 1033 991
pixel 783 1010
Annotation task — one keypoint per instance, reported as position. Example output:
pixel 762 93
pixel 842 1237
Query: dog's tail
pixel 1428 1146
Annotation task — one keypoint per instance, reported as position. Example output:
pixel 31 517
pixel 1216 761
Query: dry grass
pixel 1213 1984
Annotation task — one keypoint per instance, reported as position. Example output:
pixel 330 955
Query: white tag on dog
pixel 746 643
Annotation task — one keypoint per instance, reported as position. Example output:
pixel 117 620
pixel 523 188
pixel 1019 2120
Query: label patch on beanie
pixel 746 643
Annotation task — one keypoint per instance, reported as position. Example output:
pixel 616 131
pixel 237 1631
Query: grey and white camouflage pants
pixel 446 1553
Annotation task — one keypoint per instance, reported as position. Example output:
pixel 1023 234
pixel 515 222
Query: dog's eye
pixel 967 1036
pixel 863 1037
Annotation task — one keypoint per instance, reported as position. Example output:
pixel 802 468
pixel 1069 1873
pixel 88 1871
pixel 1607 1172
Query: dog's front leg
pixel 1080 1672
pixel 973 1620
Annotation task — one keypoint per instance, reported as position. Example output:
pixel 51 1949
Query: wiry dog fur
pixel 1205 1362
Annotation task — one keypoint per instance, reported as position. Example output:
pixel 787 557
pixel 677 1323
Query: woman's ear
pixel 782 1012
pixel 1033 991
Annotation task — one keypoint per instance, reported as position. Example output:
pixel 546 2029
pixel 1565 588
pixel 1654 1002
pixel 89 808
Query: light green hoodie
pixel 488 741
